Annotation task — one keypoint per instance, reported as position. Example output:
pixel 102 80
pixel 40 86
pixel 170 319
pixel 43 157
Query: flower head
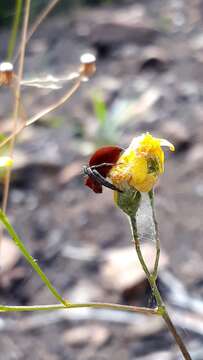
pixel 140 165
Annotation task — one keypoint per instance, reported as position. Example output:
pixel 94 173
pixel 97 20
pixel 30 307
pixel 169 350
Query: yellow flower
pixel 140 164
pixel 6 161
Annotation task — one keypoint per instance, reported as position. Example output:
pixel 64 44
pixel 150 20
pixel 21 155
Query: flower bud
pixel 128 201
pixel 141 164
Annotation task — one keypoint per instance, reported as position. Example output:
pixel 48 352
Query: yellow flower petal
pixel 164 142
pixel 6 161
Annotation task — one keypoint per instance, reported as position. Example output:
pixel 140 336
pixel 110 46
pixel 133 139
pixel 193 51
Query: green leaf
pixel 100 109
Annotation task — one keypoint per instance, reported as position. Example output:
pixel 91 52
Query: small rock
pixel 122 270
pixel 146 328
pixel 190 271
pixel 196 42
pixel 85 291
pixel 154 59
pixel 9 255
pixel 80 336
pixel 115 33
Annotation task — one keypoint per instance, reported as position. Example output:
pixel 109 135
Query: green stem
pixel 29 258
pixel 161 305
pixel 133 224
pixel 94 305
pixel 14 30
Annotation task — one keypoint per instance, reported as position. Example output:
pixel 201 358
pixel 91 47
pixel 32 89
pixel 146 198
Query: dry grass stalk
pixel 17 102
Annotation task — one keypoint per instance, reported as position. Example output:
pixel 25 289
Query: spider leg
pixel 88 170
pixel 93 167
pixel 96 175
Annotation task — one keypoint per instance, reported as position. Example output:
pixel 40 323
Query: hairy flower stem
pixel 152 281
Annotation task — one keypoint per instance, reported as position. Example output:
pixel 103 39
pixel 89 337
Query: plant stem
pixel 17 101
pixel 176 336
pixel 94 305
pixel 14 30
pixel 160 303
pixel 29 258
pixel 133 224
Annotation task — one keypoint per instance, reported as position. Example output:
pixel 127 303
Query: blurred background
pixel 149 78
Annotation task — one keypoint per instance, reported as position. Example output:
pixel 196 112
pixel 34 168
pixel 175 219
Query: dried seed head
pixel 6 73
pixel 88 65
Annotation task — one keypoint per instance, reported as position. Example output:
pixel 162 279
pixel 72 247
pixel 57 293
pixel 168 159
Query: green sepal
pixel 128 201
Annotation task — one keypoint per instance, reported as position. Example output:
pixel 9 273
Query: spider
pixel 99 166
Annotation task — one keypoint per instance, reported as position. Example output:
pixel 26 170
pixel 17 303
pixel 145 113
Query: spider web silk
pixel 145 223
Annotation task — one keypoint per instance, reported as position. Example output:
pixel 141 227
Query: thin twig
pixel 177 337
pixel 22 114
pixel 37 22
pixel 16 21
pixel 17 101
pixel 10 137
pixel 95 305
